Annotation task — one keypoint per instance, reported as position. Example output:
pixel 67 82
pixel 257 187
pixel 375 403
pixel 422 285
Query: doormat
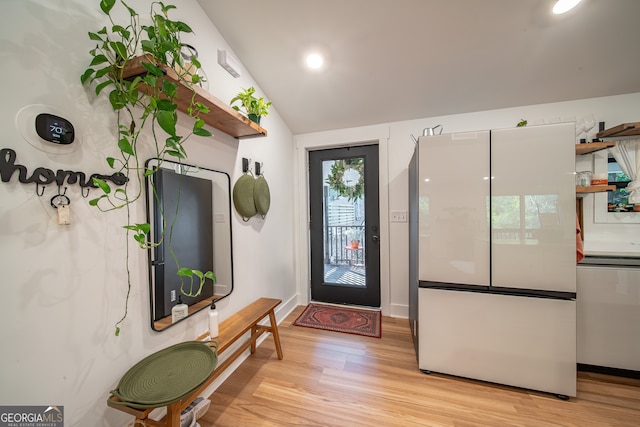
pixel 341 319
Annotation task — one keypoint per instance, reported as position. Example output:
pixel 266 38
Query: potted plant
pixel 253 107
pixel 355 236
pixel 155 112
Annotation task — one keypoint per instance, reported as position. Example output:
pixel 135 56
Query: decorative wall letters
pixel 44 176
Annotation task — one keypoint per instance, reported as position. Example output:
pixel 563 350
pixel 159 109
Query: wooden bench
pixel 230 330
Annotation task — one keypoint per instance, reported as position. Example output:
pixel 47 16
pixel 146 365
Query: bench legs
pixel 274 332
pixel 256 330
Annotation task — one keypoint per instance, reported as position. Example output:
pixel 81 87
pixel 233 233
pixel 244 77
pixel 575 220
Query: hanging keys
pixel 61 202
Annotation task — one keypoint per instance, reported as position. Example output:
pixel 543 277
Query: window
pixel 618 200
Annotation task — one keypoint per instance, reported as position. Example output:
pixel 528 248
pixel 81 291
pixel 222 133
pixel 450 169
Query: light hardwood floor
pixel 335 379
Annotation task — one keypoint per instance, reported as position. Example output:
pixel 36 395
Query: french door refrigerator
pixel 493 266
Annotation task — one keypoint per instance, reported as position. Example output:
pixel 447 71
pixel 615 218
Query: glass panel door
pixel 344 226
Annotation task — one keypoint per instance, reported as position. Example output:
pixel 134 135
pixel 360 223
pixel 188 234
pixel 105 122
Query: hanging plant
pixel 347 178
pixel 154 112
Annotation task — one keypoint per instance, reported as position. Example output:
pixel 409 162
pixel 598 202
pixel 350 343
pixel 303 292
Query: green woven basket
pixel 168 375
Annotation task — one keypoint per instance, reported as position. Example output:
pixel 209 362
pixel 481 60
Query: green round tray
pixel 262 196
pixel 168 375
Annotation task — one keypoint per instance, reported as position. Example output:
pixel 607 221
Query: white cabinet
pixel 609 317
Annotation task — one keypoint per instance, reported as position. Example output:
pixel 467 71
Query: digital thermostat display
pixel 54 129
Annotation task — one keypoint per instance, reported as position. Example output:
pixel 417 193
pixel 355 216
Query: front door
pixel 345 226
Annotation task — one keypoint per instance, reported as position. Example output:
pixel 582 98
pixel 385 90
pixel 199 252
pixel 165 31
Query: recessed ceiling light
pixel 563 6
pixel 314 61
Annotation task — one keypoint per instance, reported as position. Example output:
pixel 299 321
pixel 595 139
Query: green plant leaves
pixel 198 128
pixel 125 146
pixel 119 48
pixel 140 232
pixel 156 71
pixel 185 272
pixel 166 105
pixel 169 88
pixel 167 121
pixel 114 47
pixel 202 277
pixel 107 5
pixel 117 98
pixel 181 26
pixel 94 36
pixel 87 73
pixel 102 185
pixel 131 11
pixel 98 59
pixel 201 107
pixel 250 103
pixel 174 147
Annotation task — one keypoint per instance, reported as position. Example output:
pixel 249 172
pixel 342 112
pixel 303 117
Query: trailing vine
pixel 154 112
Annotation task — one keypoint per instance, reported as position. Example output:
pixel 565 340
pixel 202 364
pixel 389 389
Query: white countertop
pixel 612 249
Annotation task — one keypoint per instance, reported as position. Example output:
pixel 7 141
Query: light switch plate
pixel 398 216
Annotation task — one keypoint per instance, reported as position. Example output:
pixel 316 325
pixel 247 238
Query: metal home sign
pixel 44 176
pixel 31 416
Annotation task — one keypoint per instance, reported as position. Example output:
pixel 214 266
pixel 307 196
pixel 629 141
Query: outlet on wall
pixel 398 216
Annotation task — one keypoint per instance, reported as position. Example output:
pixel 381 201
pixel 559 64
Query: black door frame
pixel 320 291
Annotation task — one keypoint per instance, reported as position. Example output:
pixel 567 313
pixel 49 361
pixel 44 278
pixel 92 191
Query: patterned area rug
pixel 341 319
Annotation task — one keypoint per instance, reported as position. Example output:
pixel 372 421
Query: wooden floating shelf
pixel 625 129
pixel 221 116
pixel 591 147
pixel 595 188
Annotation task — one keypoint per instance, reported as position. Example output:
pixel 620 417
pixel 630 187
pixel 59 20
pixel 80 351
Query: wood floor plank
pixel 332 379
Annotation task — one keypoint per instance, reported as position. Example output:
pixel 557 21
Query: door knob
pixel 375 238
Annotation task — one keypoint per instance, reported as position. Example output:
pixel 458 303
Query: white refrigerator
pixel 493 273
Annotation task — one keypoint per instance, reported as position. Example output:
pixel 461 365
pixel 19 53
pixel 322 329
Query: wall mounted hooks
pixel 245 165
pixel 60 200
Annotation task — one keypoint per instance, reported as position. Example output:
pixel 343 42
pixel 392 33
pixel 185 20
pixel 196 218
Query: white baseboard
pixel 400 311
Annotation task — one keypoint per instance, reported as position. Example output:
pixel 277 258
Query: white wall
pixel 612 110
pixel 64 286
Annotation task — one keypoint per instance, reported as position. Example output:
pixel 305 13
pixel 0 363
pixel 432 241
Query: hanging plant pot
pixel 254 118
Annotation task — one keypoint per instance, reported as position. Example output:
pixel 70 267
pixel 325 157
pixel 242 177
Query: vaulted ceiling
pixel 393 60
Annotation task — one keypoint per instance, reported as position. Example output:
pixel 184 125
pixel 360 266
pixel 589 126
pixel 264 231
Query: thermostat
pixel 49 129
pixel 54 129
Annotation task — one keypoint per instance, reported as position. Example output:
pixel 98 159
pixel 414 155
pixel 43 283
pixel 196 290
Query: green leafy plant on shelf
pixel 253 107
pixel 137 114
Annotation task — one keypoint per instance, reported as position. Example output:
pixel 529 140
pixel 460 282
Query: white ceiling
pixel 394 60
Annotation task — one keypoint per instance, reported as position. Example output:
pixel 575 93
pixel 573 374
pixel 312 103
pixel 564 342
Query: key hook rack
pixel 60 199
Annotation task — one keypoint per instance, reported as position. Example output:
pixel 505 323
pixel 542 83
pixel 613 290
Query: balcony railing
pixel 337 244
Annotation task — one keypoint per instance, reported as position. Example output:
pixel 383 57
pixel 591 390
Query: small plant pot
pixel 254 118
pixel 355 244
